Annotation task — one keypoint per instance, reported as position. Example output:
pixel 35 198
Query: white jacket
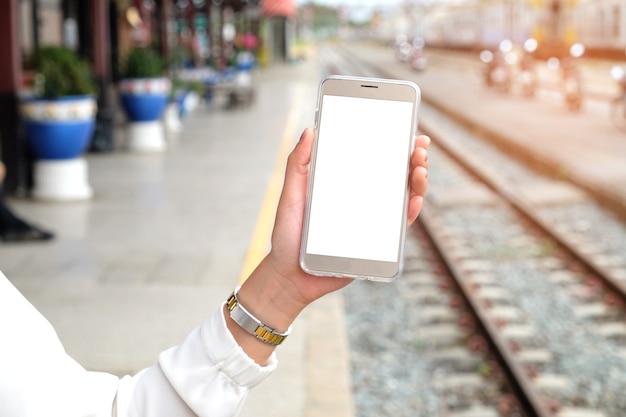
pixel 208 374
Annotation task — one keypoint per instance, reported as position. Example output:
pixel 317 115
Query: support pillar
pixel 104 133
pixel 164 11
pixel 12 142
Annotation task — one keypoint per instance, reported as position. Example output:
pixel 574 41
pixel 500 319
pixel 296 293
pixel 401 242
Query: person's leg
pixel 14 229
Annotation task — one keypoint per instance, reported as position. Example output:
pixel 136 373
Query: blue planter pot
pixel 144 99
pixel 179 98
pixel 58 140
pixel 58 128
pixel 246 61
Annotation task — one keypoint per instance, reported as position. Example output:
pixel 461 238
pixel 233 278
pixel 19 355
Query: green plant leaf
pixel 61 72
pixel 143 63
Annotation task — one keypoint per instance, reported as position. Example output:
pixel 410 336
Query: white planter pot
pixel 146 137
pixel 144 101
pixel 58 131
pixel 61 180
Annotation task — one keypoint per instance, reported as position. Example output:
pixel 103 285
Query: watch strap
pixel 251 324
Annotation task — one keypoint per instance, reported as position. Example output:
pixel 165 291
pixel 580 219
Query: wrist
pixel 269 299
pixel 257 328
pixel 257 350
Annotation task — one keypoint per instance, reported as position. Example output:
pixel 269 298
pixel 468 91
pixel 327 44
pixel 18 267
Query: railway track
pixel 512 303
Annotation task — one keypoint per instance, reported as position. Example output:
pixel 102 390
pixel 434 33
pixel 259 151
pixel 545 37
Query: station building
pixel 197 32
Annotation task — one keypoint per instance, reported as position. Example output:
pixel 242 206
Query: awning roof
pixel 286 8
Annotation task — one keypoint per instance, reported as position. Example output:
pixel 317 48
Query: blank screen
pixel 357 200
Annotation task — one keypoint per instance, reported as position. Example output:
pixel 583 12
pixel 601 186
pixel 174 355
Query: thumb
pixel 297 171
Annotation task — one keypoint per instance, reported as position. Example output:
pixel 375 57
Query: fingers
pixel 296 175
pixel 419 181
pixel 418 178
pixel 422 141
pixel 415 206
pixel 420 154
pixel 419 166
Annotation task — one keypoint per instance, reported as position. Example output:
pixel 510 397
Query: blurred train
pixel 600 25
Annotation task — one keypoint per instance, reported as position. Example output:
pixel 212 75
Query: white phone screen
pixel 357 200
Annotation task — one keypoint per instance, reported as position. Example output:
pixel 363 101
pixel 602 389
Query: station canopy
pixel 284 8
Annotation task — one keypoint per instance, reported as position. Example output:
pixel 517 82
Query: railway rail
pixel 513 299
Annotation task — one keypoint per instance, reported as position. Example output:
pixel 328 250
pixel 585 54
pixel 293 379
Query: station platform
pixel 167 236
pixel 582 147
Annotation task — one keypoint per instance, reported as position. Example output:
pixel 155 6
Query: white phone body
pixel 356 213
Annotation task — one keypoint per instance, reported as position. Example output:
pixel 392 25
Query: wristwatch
pixel 251 324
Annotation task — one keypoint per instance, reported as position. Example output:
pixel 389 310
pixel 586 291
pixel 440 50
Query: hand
pixel 278 290
pixel 289 219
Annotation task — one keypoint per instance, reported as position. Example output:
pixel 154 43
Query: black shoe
pixel 25 233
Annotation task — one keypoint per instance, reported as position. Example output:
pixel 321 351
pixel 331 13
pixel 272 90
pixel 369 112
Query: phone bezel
pixel 372 88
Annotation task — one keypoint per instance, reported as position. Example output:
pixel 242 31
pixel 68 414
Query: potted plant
pixel 244 61
pixel 144 94
pixel 59 121
pixel 175 110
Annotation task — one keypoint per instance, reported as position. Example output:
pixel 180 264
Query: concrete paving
pixel 167 237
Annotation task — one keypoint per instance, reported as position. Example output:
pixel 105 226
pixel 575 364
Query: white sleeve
pixel 207 375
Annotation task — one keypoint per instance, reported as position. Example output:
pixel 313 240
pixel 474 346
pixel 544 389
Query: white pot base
pixel 171 119
pixel 145 136
pixel 61 180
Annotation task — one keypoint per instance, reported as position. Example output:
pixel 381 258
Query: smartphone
pixel 356 213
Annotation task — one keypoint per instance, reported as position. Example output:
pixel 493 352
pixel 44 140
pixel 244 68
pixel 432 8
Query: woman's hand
pixel 290 216
pixel 278 290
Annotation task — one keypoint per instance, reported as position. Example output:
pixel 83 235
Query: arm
pixel 206 375
pixel 278 290
pixel 210 373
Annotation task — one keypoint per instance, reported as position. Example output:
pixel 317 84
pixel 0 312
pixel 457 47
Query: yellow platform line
pixel 260 242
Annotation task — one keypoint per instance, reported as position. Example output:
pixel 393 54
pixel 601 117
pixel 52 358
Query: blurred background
pixel 513 300
pixel 557 33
